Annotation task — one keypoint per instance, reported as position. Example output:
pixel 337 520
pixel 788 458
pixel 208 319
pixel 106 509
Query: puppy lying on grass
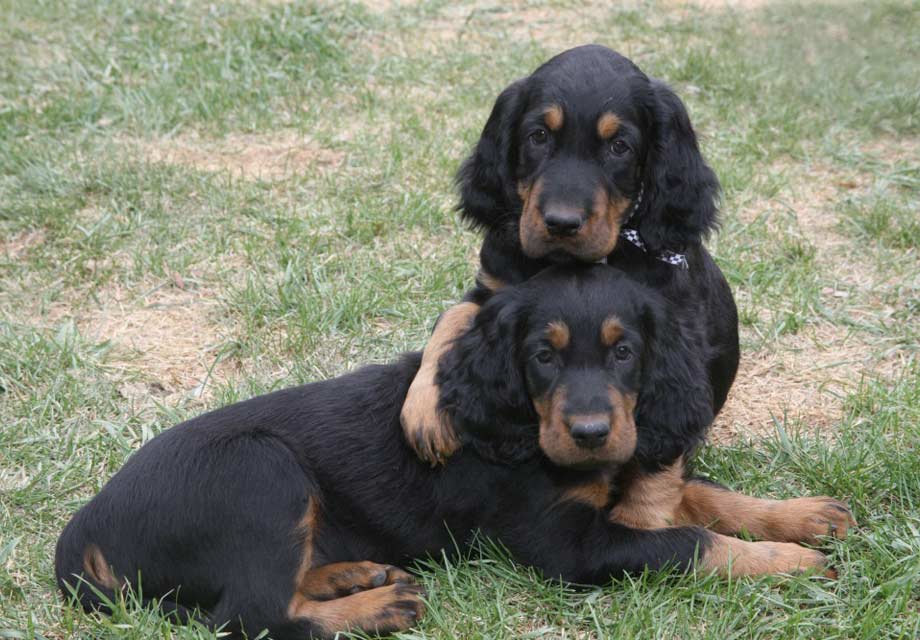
pixel 292 511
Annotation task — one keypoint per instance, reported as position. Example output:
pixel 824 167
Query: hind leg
pixel 356 596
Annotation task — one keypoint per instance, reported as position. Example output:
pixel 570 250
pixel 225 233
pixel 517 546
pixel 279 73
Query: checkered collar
pixel 632 236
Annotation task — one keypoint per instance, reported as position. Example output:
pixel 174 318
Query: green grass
pixel 807 111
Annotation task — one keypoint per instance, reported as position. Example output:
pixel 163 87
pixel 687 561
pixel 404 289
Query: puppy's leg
pixel 382 600
pixel 793 520
pixel 733 557
pixel 341 579
pixel 428 432
pixel 665 498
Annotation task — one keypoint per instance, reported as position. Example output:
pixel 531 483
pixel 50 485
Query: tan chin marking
pixel 650 500
pixel 489 281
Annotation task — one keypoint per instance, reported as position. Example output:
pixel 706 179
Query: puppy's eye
pixel 538 137
pixel 618 147
pixel 622 353
pixel 545 356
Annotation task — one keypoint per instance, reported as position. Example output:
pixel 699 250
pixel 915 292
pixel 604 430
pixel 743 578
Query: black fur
pixel 678 210
pixel 209 513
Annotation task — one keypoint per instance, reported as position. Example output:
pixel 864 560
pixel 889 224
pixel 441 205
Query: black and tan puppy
pixel 586 159
pixel 290 511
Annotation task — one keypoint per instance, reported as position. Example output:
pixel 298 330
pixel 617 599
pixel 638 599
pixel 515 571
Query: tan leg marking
pixel 383 610
pixel 427 431
pixel 341 579
pixel 733 557
pixel 307 529
pixel 97 567
pixel 794 520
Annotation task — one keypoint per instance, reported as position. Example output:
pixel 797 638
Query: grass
pixel 204 201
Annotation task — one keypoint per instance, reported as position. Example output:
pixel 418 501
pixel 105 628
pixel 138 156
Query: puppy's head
pixel 563 359
pixel 567 152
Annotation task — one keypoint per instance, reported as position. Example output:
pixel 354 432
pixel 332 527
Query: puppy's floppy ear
pixel 481 381
pixel 681 191
pixel 674 407
pixel 486 179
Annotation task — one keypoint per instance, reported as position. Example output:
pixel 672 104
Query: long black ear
pixel 681 190
pixel 486 179
pixel 675 404
pixel 481 378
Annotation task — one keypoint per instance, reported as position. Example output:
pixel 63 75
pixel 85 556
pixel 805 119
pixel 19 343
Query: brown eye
pixel 618 147
pixel 538 137
pixel 622 353
pixel 545 356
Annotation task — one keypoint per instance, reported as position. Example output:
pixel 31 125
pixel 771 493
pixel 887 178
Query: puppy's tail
pixel 85 577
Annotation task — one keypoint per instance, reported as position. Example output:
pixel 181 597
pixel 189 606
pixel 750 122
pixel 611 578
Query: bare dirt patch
pixel 166 338
pixel 20 244
pixel 803 381
pixel 805 377
pixel 252 157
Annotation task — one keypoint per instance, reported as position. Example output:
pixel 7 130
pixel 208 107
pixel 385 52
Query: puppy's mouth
pixel 562 234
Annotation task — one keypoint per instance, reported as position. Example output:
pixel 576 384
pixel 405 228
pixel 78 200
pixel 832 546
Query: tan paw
pixel 382 611
pixel 345 578
pixel 734 557
pixel 427 431
pixel 806 519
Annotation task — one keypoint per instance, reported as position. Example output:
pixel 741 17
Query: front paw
pixel 806 519
pixel 428 432
pixel 733 557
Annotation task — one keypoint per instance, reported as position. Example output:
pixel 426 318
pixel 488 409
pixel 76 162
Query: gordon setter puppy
pixel 291 511
pixel 587 159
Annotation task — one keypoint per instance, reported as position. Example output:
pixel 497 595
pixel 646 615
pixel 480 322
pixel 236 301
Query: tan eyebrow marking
pixel 554 117
pixel 611 331
pixel 558 334
pixel 607 125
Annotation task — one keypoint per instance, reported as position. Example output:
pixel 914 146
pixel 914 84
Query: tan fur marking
pixel 489 281
pixel 426 430
pixel 611 331
pixel 607 125
pixel 383 610
pixel 621 443
pixel 650 500
pixel 532 232
pixel 341 579
pixel 98 568
pixel 594 494
pixel 307 529
pixel 733 557
pixel 794 520
pixel 558 334
pixel 554 117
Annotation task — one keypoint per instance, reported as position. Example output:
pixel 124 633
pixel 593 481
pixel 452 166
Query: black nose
pixel 590 435
pixel 562 222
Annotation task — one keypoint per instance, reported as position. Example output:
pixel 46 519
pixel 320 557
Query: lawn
pixel 200 202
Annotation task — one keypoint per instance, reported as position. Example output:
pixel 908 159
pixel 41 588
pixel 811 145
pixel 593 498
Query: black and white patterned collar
pixel 632 236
